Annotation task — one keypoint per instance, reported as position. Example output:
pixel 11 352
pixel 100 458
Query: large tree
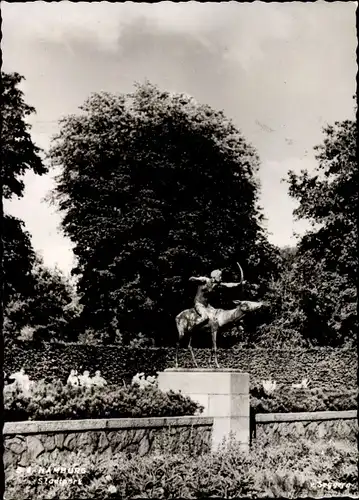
pixel 19 154
pixel 34 297
pixel 329 200
pixel 328 253
pixel 316 290
pixel 18 259
pixel 155 187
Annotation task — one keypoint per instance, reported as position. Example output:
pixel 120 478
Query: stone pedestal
pixel 224 393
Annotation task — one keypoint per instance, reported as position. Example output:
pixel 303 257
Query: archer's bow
pixel 241 271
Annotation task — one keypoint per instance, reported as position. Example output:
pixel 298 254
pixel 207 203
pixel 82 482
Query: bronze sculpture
pixel 204 314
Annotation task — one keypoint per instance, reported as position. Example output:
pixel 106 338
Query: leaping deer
pixel 204 314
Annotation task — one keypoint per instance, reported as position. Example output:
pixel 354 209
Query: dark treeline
pixel 154 188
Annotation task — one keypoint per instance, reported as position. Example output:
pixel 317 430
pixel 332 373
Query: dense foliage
pixel 18 155
pixel 55 401
pixel 62 402
pixel 314 297
pixel 36 300
pixel 18 151
pixel 328 368
pixel 18 260
pixel 155 187
pixel 289 399
pixel 286 470
pixel 47 311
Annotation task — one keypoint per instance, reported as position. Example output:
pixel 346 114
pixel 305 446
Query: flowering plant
pixel 142 382
pixel 269 386
pixel 304 384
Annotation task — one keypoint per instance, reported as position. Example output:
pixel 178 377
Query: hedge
pixel 327 368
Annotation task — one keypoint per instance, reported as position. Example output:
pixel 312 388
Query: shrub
pixel 56 401
pixel 299 468
pixel 289 470
pixel 289 399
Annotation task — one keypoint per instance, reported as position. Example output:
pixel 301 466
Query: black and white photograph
pixel 179 250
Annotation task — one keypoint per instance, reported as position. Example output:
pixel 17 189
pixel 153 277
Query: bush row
pixel 287 400
pixel 56 401
pixel 289 471
pixel 328 368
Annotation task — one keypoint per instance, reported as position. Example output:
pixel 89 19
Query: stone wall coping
pixel 211 370
pixel 310 416
pixel 54 426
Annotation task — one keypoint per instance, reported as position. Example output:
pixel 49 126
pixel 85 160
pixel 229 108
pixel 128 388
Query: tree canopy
pixel 154 188
pixel 33 296
pixel 48 311
pixel 18 155
pixel 18 259
pixel 329 198
pixel 316 292
pixel 18 151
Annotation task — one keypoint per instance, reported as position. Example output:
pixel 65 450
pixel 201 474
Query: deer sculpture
pixel 188 320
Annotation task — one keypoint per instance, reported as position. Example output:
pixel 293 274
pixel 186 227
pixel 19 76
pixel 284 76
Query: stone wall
pixel 311 425
pixel 26 442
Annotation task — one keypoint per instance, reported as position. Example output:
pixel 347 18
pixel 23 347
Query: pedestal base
pixel 224 394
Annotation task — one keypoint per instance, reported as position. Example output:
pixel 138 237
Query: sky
pixel 281 72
